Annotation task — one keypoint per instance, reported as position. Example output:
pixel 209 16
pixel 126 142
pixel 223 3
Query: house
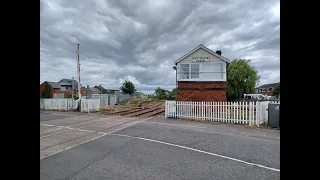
pixel 63 86
pixel 55 88
pixel 111 91
pixel 201 75
pixel 266 89
pixel 100 88
pixel 92 90
pixel 66 84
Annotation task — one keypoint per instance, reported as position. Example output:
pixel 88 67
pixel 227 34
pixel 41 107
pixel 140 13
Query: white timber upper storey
pixel 201 64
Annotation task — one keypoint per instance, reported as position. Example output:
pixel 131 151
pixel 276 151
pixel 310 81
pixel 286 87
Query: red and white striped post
pixel 78 64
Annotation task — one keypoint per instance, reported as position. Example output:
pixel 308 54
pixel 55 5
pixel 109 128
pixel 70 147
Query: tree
pixel 241 78
pixel 276 91
pixel 160 93
pixel 128 87
pixel 172 94
pixel 46 93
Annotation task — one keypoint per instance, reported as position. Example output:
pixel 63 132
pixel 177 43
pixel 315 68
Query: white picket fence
pixel 59 104
pixel 228 112
pixel 89 105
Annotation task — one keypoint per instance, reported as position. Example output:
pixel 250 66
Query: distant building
pixel 111 91
pixel 63 86
pixel 266 89
pixel 55 88
pixel 66 84
pixel 92 90
pixel 100 88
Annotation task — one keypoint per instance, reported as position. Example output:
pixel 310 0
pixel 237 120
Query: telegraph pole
pixel 72 90
pixel 79 86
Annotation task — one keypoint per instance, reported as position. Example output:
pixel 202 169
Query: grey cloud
pixel 121 39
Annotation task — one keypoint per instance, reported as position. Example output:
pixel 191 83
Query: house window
pixel 189 71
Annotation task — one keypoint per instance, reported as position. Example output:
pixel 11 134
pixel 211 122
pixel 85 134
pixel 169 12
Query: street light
pixel 175 68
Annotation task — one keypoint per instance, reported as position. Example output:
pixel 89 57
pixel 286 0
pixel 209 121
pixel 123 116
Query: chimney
pixel 219 52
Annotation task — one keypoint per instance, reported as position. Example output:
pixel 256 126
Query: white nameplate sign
pixel 201 59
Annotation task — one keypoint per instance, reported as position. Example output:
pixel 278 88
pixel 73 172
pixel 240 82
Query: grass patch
pixel 123 102
pixel 134 101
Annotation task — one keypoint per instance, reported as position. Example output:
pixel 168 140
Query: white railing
pixel 228 112
pixel 89 105
pixel 59 104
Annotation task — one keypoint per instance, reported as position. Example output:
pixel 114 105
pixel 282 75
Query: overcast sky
pixel 139 40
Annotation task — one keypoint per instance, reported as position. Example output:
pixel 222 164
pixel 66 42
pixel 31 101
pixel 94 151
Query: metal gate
pixel 112 99
pixel 104 100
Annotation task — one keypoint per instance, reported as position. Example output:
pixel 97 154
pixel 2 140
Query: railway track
pixel 147 111
pixel 152 113
pixel 122 111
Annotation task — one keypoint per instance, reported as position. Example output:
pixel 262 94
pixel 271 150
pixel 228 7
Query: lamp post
pixel 175 68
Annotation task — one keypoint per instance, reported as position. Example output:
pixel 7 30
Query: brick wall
pixel 202 91
pixel 267 92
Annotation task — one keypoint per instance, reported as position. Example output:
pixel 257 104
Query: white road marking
pixel 63 114
pixel 84 130
pixel 54 129
pixel 197 150
pixel 176 124
pixel 47 124
pixel 65 127
pixel 103 134
pixel 70 147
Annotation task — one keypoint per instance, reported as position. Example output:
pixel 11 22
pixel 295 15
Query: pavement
pixel 95 146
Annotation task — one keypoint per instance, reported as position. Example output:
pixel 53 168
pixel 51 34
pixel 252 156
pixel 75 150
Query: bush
pixel 74 96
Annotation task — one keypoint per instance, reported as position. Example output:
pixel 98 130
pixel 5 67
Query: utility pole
pixel 72 90
pixel 79 85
